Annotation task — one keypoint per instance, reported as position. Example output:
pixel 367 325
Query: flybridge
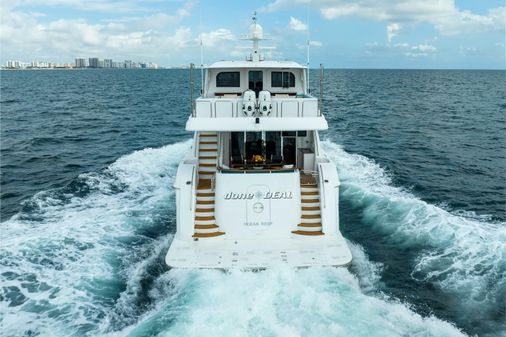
pixel 256 94
pixel 245 99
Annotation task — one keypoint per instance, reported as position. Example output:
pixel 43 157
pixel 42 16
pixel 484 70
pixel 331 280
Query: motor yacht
pixel 256 189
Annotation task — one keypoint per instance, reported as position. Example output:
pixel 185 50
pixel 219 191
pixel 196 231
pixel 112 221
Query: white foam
pixel 368 272
pixel 71 248
pixel 463 255
pixel 278 302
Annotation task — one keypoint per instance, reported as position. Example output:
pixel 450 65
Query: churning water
pixel 89 158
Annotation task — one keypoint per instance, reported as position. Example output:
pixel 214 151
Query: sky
pixel 422 34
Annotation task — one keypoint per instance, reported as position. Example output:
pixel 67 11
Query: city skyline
pixel 448 34
pixel 81 63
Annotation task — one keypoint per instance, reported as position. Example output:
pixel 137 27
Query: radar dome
pixel 256 31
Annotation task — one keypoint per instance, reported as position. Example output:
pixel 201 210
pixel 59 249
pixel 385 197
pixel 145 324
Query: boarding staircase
pixel 311 222
pixel 205 222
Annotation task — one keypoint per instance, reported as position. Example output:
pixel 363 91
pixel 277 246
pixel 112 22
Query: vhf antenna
pixel 201 56
pixel 307 49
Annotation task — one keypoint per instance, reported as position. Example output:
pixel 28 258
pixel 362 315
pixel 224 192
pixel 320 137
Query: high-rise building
pixel 14 64
pixel 80 62
pixel 107 63
pixel 128 64
pixel 93 62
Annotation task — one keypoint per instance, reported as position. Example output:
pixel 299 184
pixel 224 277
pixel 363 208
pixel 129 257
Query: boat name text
pixel 265 196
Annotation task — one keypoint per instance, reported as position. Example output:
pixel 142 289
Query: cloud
pixel 147 36
pixel 393 30
pixel 457 22
pixel 312 43
pixel 424 48
pixel 421 50
pixel 24 34
pixel 442 14
pixel 297 25
pixel 101 6
pixel 122 6
pixel 401 49
pixel 217 37
pixel 468 51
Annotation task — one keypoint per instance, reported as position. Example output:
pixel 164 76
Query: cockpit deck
pixel 267 151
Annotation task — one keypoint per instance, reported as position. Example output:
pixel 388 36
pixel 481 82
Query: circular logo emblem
pixel 258 207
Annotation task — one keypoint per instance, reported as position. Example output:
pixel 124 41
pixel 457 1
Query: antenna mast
pixel 256 34
pixel 307 49
pixel 201 65
pixel 201 57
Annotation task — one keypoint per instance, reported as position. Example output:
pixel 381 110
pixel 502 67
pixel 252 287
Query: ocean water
pixel 88 159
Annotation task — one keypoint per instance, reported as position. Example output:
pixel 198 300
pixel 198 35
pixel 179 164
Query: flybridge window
pixel 228 79
pixel 282 79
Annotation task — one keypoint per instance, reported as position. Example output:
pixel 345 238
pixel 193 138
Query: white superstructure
pixel 257 189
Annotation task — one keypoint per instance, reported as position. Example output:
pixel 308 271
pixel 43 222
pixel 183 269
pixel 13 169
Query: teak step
pixel 310 216
pixel 310 224
pixel 208 157
pixel 308 233
pixel 205 226
pixel 208 135
pixel 315 208
pixel 310 201
pixel 307 179
pixel 204 195
pixel 204 210
pixel 208 150
pixel 207 235
pixel 204 218
pixel 205 202
pixel 307 193
pixel 208 143
pixel 204 184
pixel 207 164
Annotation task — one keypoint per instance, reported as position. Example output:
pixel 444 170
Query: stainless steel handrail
pixel 246 171
pixel 322 186
pixel 194 113
pixel 320 107
pixel 302 111
pixel 192 187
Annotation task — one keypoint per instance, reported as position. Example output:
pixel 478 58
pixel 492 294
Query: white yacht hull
pixel 218 225
pixel 221 253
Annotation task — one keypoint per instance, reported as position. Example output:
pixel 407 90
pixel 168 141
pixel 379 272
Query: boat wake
pixel 87 260
pixel 461 254
pixel 74 253
pixel 278 302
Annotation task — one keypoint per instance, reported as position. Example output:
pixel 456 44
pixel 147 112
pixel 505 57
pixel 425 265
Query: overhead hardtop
pixel 256 64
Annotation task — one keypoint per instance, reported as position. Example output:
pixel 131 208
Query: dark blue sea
pixel 88 159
